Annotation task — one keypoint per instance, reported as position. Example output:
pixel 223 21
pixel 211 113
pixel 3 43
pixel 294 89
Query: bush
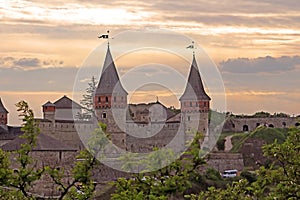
pixel 251 177
pixel 213 174
pixel 221 144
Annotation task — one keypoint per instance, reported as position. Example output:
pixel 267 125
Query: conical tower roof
pixel 2 108
pixel 194 89
pixel 109 82
pixel 49 103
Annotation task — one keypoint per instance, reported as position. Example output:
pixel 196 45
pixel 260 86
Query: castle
pixel 132 127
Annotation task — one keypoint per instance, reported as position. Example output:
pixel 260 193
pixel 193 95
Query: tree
pixel 261 114
pixel 286 176
pixel 16 183
pixel 88 99
pixel 280 181
pixel 81 184
pixel 27 173
pixel 165 182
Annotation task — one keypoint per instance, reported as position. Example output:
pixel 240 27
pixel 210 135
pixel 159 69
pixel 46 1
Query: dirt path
pixel 228 144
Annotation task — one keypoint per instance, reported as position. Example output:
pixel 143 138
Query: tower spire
pixel 109 81
pixel 194 88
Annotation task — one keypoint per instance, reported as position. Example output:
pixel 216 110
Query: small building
pixel 62 109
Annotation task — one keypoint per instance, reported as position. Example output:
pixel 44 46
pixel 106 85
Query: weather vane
pixel 192 46
pixel 105 36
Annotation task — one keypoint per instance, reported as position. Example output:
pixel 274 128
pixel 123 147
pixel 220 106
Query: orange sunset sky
pixel 254 43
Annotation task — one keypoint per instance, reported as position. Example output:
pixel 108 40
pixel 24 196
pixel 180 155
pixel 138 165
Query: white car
pixel 230 173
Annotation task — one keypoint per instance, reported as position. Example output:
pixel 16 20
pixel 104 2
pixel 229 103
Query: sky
pixel 253 43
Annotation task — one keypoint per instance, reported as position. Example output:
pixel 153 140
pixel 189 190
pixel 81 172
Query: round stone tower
pixel 195 103
pixel 110 101
pixel 3 114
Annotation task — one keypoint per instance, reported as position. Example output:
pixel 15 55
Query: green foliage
pixel 269 135
pixel 238 140
pixel 221 144
pixel 213 174
pixel 281 115
pixel 251 177
pixel 82 186
pixel 19 181
pixel 235 191
pixel 281 181
pixel 98 140
pixel 164 182
pixel 27 173
pixel 287 155
pixel 262 114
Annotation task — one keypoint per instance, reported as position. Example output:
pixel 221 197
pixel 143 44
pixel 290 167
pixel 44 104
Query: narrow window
pixel 115 99
pixel 106 99
pixel 191 104
pixel 104 115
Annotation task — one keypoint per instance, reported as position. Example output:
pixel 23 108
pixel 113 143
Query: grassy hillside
pixel 269 135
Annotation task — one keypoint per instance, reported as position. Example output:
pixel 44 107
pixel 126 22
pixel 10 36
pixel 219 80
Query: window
pixel 104 115
pixel 106 99
pixel 189 118
pixel 191 104
pixel 115 98
pixel 99 99
pixel 122 98
pixel 284 124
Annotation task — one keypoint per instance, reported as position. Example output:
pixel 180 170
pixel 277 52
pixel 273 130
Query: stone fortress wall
pixel 244 124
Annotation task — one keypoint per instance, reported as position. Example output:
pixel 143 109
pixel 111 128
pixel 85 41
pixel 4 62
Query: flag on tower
pixel 105 36
pixel 190 46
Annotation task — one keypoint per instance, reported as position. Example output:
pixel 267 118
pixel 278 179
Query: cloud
pixel 266 64
pixel 254 93
pixel 28 63
pixel 41 79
